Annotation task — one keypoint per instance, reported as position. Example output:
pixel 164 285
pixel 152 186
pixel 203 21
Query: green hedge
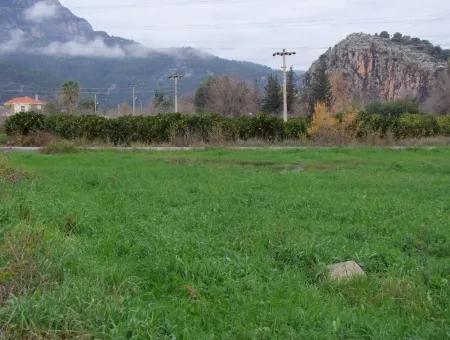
pixel 163 128
pixel 158 129
pixel 404 126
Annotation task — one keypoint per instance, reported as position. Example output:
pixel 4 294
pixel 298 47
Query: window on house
pixel 22 109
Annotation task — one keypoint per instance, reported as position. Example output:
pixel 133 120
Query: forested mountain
pixel 43 44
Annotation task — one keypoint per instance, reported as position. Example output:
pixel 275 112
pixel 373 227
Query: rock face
pixel 374 68
pixel 44 21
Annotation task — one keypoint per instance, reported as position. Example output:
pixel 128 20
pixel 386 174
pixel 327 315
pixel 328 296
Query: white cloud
pixel 254 29
pixel 96 48
pixel 16 40
pixel 41 11
pixel 93 48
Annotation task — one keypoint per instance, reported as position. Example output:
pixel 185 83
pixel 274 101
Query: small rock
pixel 344 270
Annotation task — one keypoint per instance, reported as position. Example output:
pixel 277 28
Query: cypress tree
pixel 272 102
pixel 321 91
pixel 292 90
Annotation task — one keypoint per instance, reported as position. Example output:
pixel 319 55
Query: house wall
pixel 21 108
pixel 16 108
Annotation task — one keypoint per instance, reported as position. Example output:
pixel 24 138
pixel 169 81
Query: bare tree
pixel 439 99
pixel 341 96
pixel 227 96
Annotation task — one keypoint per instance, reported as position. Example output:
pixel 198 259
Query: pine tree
pixel 292 90
pixel 321 90
pixel 272 102
pixel 161 104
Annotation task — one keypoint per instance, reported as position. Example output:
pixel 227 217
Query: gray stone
pixel 377 68
pixel 344 270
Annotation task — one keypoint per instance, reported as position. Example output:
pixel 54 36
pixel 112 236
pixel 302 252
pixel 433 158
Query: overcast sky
pixel 253 29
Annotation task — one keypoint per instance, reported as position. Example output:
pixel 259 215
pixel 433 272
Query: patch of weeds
pixel 427 242
pixel 69 225
pixel 9 173
pixel 59 147
pixel 34 139
pixel 355 235
pixel 355 292
pixel 192 292
pixel 307 261
pixel 166 331
pixel 92 182
pixel 376 263
pixel 407 296
pixel 437 281
pixel 396 166
pixel 4 214
pixel 13 332
pixel 3 138
pixel 18 258
pixel 346 329
pixel 264 165
pixel 24 212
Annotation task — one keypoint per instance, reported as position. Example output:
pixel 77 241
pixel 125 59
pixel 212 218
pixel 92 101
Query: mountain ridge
pixel 45 38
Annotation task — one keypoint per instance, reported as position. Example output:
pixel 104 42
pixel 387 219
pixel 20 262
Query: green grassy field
pixel 223 244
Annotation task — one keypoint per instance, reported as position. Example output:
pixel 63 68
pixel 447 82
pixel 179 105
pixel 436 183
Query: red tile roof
pixel 25 100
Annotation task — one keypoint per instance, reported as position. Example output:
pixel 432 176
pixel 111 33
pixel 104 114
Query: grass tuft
pixel 59 147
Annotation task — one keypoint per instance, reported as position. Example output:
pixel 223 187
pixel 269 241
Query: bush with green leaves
pixel 416 126
pixel 443 123
pixel 393 108
pixel 163 128
pixel 24 123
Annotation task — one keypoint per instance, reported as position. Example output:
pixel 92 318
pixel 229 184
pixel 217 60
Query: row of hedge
pixel 162 128
pixel 405 125
pixel 157 129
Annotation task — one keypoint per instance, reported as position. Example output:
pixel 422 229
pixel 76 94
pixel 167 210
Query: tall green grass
pixel 226 244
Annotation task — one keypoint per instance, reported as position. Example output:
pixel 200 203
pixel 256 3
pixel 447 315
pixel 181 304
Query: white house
pixel 25 104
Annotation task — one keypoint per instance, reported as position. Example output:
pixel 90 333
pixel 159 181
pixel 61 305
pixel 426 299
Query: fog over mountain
pixel 42 43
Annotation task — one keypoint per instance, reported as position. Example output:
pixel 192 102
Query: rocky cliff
pixel 364 67
pixel 46 21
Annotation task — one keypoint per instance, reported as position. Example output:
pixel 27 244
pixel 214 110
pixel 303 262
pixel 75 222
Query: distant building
pixel 25 104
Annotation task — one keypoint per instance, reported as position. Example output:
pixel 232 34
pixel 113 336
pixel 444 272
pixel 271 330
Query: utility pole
pixel 284 68
pixel 134 99
pixel 176 76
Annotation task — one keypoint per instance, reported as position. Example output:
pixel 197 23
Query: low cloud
pixel 16 40
pixel 41 11
pixel 96 48
pixel 92 48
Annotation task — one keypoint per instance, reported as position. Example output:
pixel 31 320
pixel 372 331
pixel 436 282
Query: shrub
pixel 36 129
pixel 296 128
pixel 374 123
pixel 3 138
pixel 394 108
pixel 323 125
pixel 39 138
pixel 25 122
pixel 415 126
pixel 443 123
